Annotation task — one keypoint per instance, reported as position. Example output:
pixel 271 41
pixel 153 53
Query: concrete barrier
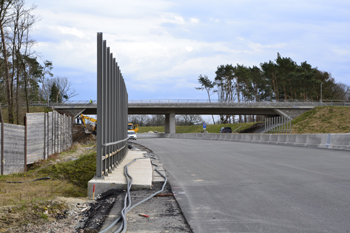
pixel 339 141
pixel 264 138
pixel 300 140
pixel 256 138
pixel 273 139
pixel 327 141
pixel 291 138
pixel 316 140
pixel 281 139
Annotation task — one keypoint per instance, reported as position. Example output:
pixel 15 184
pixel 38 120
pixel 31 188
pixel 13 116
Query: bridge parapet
pixel 232 104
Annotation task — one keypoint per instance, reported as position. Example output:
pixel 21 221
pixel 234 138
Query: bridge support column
pixel 170 123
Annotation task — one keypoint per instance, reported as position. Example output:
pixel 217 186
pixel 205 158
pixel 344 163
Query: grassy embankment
pixel 329 119
pixel 197 128
pixel 29 201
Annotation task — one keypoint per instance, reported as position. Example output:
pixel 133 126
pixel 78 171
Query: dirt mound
pixel 81 137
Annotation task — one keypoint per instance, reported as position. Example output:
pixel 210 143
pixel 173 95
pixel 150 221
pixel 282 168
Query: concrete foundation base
pixel 141 171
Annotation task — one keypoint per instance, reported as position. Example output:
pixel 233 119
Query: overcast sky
pixel 163 46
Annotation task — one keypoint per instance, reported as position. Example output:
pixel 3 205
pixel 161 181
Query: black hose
pixel 44 178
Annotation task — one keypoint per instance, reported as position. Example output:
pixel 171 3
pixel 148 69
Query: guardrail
pixel 112 111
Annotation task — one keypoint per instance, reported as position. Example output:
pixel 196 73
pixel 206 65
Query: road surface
pixel 224 186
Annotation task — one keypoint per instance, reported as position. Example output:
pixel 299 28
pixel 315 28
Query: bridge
pixel 170 108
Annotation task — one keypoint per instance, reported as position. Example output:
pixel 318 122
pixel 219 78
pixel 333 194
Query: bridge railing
pixel 278 125
pixel 291 103
pixel 112 111
pixel 231 104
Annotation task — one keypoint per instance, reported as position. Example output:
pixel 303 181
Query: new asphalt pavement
pixel 225 186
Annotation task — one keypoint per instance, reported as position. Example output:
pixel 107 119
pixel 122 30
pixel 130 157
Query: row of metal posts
pixel 112 111
pixel 280 124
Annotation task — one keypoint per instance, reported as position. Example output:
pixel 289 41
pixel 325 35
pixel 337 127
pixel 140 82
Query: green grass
pixel 33 201
pixel 197 128
pixel 77 172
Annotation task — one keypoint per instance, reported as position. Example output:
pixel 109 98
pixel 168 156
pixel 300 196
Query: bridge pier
pixel 170 123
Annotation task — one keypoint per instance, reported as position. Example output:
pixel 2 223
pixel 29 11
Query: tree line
pixel 279 80
pixel 159 120
pixel 24 78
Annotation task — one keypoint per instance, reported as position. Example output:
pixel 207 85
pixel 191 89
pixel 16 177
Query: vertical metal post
pixel 120 119
pixel 114 111
pixel 99 106
pixel 106 128
pixel 110 95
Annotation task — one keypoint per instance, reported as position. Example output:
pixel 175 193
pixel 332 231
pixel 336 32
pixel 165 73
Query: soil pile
pixel 80 136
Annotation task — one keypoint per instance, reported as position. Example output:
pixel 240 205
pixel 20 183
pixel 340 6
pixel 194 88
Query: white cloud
pixel 159 43
pixel 172 18
pixel 194 20
pixel 189 48
pixel 69 31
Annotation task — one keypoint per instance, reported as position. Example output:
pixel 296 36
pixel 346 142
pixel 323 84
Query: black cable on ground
pixel 44 178
pixel 127 199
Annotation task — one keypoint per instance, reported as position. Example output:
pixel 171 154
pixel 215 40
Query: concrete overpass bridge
pixel 170 108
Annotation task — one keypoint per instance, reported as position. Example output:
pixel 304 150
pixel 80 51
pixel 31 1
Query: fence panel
pixel 35 137
pixel 13 148
pixel 47 133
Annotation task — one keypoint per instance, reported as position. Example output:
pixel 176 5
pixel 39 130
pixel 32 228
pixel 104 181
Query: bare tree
pixel 59 89
pixel 5 17
pixel 20 24
pixel 141 120
pixel 188 119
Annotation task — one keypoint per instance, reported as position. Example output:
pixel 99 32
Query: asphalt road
pixel 226 186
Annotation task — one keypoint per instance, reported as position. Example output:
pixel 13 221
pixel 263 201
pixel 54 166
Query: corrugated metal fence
pixel 44 134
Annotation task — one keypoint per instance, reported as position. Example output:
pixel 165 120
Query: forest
pixel 279 80
pixel 24 76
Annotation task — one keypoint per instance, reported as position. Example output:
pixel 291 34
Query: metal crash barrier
pixel 112 111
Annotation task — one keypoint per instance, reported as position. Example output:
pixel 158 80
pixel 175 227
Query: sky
pixel 163 46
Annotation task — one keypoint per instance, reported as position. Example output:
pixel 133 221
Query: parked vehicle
pixel 226 130
pixel 134 127
pixel 132 135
